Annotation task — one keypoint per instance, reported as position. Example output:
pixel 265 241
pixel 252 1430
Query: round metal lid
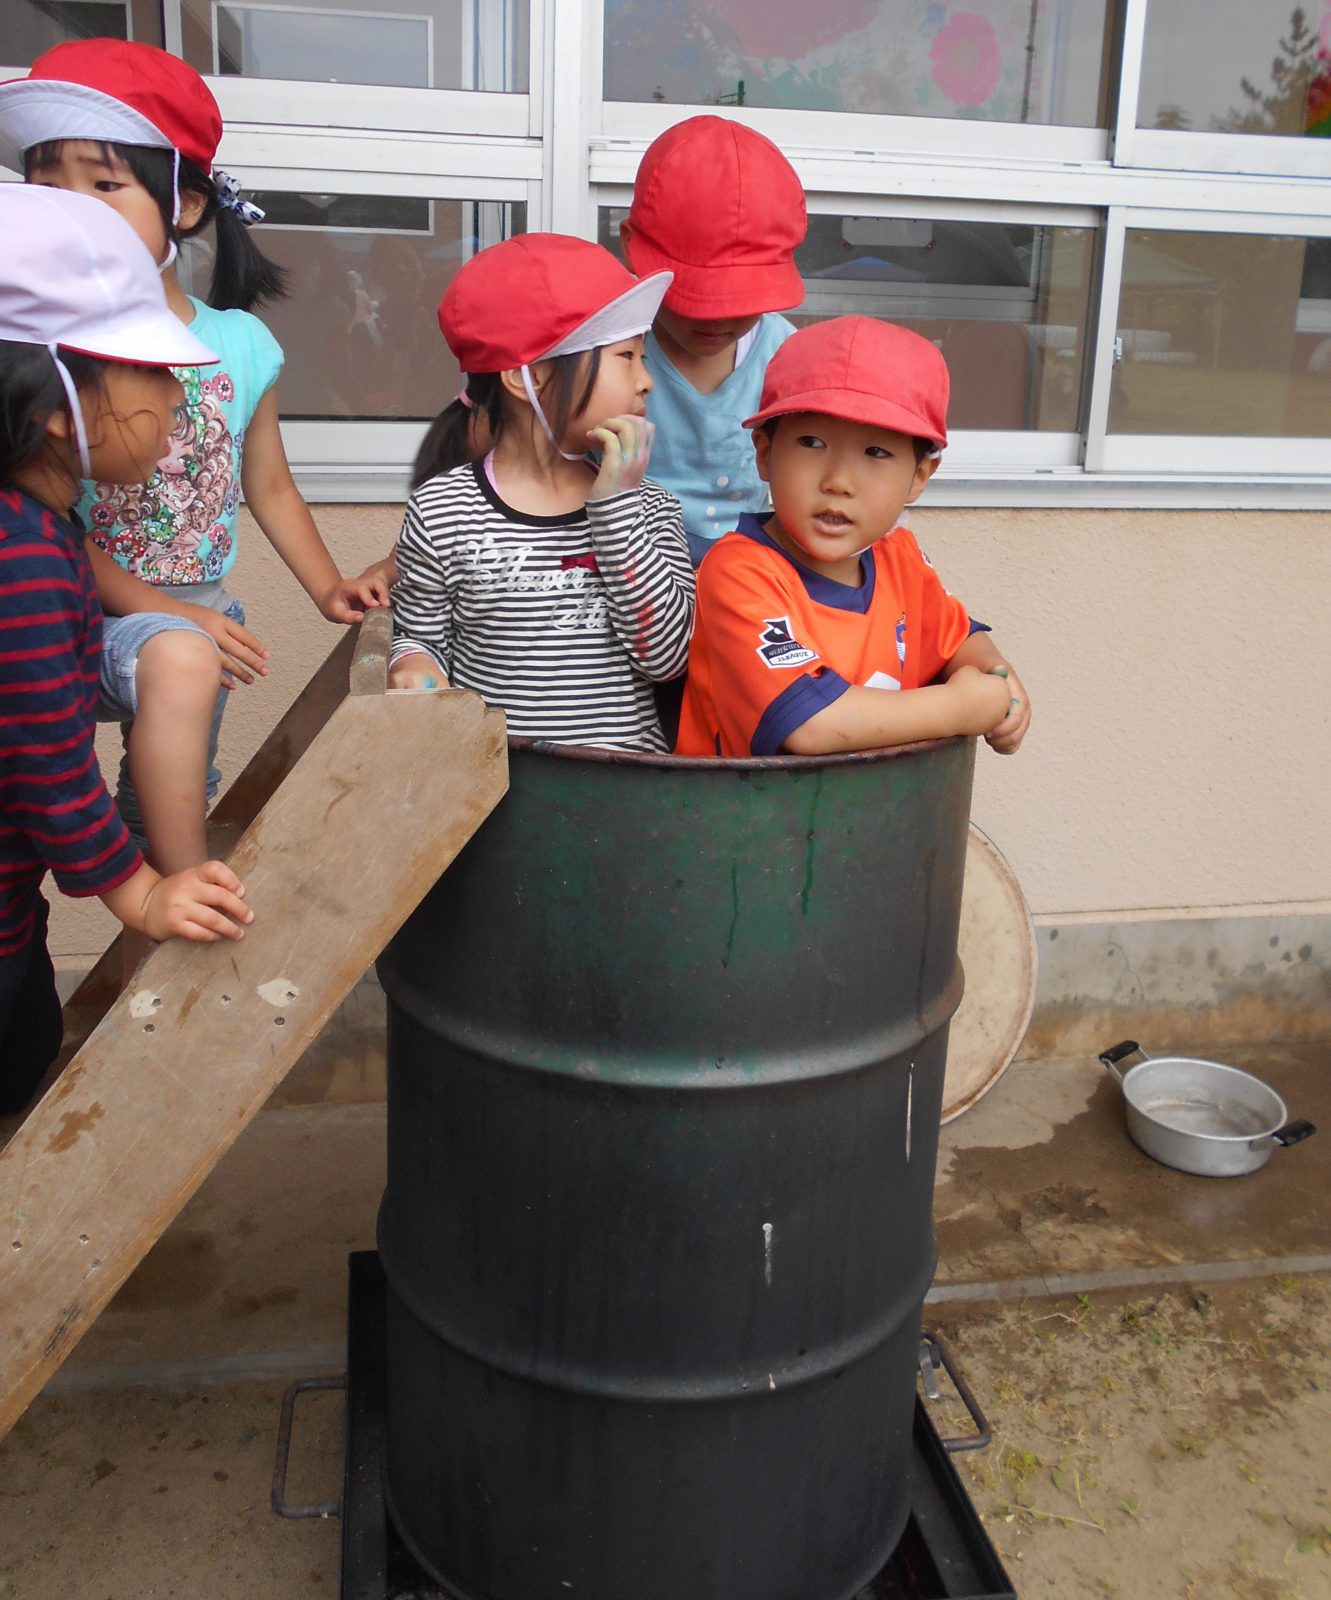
pixel 996 943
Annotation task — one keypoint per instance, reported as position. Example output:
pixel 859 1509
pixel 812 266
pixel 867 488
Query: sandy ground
pixel 1177 1444
pixel 1171 1445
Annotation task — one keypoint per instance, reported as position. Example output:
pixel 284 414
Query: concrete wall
pixel 1171 801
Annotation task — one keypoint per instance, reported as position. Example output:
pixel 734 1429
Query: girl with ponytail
pixel 551 582
pixel 137 129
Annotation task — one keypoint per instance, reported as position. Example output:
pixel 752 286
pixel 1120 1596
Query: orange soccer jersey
pixel 775 642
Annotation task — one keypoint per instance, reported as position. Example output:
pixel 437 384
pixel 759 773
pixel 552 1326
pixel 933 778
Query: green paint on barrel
pixel 666 1052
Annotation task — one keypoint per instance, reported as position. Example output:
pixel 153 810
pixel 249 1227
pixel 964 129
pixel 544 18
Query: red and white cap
pixel 110 89
pixel 721 207
pixel 540 295
pixel 75 276
pixel 863 370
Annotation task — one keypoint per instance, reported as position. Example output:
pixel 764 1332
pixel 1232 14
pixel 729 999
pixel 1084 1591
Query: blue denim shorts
pixel 122 639
pixel 118 698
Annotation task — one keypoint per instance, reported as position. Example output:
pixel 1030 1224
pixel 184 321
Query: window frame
pixel 1212 454
pixel 563 151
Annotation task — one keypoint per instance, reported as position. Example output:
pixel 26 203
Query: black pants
pixel 30 1021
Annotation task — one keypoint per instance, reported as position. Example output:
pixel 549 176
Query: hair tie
pixel 465 399
pixel 227 190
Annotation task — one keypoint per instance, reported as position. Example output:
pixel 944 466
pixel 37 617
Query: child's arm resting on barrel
pixel 969 702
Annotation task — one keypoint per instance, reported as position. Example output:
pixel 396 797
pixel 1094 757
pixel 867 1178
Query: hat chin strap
pixel 171 251
pixel 530 387
pixel 75 411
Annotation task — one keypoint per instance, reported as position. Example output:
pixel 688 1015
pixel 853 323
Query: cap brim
pixel 854 406
pixel 712 293
pixel 624 317
pixel 155 339
pixel 33 110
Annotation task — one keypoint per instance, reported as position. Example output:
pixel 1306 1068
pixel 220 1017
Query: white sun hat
pixel 75 275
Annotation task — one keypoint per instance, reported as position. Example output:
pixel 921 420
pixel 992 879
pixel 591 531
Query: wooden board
pixel 996 942
pixel 357 653
pixel 377 807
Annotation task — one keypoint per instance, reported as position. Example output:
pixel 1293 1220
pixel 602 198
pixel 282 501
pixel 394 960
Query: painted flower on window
pixel 967 58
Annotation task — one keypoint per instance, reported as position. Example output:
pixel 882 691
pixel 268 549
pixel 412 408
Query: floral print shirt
pixel 180 526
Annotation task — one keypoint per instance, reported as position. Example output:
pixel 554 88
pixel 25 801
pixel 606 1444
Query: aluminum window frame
pixel 1236 154
pixel 563 151
pixel 1296 462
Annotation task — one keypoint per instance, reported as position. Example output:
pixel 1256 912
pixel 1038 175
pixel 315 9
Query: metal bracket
pixel 324 1508
pixel 935 1352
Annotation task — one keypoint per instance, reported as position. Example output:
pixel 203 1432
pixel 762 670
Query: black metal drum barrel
pixel 666 1053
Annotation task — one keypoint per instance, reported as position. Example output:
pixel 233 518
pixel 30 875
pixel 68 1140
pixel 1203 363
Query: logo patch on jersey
pixel 779 647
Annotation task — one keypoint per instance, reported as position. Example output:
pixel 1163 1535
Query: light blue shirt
pixel 179 528
pixel 701 453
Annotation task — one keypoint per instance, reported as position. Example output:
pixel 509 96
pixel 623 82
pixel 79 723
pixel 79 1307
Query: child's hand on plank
pixel 626 448
pixel 382 575
pixel 416 670
pixel 349 599
pixel 243 653
pixel 204 903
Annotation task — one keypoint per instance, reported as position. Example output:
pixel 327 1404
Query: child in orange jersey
pixel 823 628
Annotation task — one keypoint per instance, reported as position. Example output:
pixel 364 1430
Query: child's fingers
pixel 244 650
pixel 1009 733
pixel 221 875
pixel 214 903
pixel 239 637
pixel 608 440
pixel 207 927
pixel 234 671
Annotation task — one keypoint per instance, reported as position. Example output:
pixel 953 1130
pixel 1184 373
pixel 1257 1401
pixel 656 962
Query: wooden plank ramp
pixel 358 657
pixel 387 791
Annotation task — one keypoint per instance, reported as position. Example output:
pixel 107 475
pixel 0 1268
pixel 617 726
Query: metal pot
pixel 1201 1116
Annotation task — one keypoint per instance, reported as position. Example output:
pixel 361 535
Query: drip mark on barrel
pixel 767 1253
pixel 910 1095
pixel 734 914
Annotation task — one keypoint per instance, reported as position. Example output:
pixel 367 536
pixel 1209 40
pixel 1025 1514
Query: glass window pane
pixel 366 273
pixel 32 27
pixel 1224 334
pixel 1237 66
pixel 1039 61
pixel 1006 303
pixel 419 44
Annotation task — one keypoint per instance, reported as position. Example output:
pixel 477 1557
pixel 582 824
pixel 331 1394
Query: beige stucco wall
pixel 1179 763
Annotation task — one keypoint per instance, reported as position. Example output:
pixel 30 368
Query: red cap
pixel 109 89
pixel 863 370
pixel 543 294
pixel 721 208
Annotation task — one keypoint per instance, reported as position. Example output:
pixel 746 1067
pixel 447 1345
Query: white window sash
pixel 328 106
pixel 1218 455
pixel 865 133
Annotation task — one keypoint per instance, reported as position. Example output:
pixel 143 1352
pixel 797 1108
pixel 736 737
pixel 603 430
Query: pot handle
pixel 1120 1052
pixel 1294 1132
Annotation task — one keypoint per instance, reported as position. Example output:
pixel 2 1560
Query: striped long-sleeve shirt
pixel 563 621
pixel 55 812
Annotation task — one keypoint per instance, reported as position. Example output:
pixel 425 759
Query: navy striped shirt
pixel 564 621
pixel 55 812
